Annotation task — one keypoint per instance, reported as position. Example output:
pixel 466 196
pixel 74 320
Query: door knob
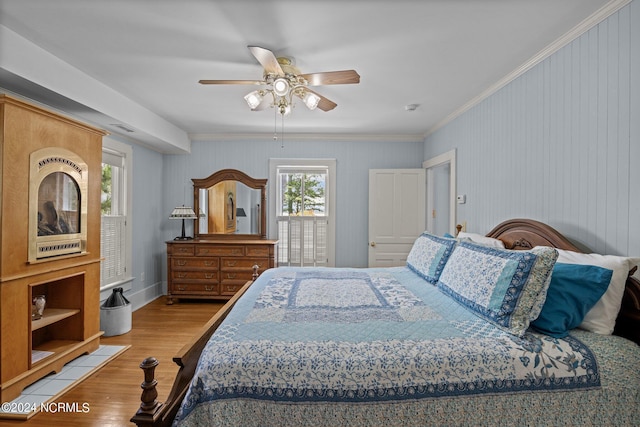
pixel 373 244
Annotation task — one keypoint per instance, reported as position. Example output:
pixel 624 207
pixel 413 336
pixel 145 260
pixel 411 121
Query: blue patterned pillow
pixel 429 255
pixel 507 288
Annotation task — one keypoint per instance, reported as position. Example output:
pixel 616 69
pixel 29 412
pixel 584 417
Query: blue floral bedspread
pixel 372 335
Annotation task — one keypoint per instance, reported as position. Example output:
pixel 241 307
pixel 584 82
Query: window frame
pixel 111 147
pixel 330 197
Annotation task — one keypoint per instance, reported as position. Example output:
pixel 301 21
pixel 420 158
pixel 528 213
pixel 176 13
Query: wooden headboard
pixel 527 233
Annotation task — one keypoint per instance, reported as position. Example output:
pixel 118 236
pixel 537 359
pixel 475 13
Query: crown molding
pixel 324 137
pixel 597 17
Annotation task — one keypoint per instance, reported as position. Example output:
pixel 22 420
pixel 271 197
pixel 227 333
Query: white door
pixel 396 214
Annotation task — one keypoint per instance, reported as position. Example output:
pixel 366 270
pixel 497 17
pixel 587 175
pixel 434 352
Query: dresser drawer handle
pixel 184 250
pixel 182 288
pixel 231 276
pixel 208 288
pixel 181 275
pixel 209 263
pixel 232 263
pixel 181 262
pixel 209 275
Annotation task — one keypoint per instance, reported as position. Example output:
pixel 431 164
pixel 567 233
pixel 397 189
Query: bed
pixel 419 345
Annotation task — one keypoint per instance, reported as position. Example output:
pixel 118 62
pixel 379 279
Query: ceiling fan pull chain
pixel 282 131
pixel 275 124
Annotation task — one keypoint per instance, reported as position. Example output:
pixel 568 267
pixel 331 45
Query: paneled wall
pixel 560 144
pixel 354 159
pixel 149 252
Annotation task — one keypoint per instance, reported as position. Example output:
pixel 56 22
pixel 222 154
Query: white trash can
pixel 115 314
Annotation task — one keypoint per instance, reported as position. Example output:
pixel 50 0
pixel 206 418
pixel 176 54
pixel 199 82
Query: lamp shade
pixel 183 212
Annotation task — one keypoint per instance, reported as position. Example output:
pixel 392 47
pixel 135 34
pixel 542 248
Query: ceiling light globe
pixel 253 99
pixel 281 86
pixel 311 100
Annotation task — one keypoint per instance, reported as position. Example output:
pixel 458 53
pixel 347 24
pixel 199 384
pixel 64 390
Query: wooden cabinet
pixel 37 142
pixel 215 269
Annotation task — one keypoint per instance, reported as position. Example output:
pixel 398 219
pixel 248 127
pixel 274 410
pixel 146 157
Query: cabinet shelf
pixel 52 315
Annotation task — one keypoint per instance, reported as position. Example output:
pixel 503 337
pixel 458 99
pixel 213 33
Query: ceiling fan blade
pixel 267 59
pixel 324 104
pixel 332 78
pixel 232 82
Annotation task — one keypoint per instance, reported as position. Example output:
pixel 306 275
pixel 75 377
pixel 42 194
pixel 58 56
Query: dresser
pixel 215 269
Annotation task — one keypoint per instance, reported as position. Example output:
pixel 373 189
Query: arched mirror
pixel 231 205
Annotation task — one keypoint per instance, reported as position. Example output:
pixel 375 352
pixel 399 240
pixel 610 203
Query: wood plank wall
pixel 561 143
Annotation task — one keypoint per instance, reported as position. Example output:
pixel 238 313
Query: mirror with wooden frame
pixel 230 205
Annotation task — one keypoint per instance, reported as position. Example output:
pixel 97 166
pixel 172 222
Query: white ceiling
pixel 143 59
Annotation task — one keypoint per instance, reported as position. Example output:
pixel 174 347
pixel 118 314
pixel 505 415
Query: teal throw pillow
pixel 573 291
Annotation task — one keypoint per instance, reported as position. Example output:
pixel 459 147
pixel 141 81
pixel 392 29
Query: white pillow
pixel 601 318
pixel 484 240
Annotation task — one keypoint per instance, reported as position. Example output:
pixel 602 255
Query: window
pixel 304 206
pixel 115 234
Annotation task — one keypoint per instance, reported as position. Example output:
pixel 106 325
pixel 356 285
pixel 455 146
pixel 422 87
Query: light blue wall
pixel 147 218
pixel 353 158
pixel 560 144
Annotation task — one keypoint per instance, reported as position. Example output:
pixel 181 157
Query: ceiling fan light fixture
pixel 281 86
pixel 311 100
pixel 253 99
pixel 284 81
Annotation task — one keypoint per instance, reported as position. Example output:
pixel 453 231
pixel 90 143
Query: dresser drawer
pixel 195 289
pixel 220 250
pixel 259 251
pixel 233 276
pixel 243 264
pixel 230 287
pixel 180 249
pixel 195 275
pixel 194 263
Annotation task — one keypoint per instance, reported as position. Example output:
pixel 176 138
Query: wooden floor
pixel 113 392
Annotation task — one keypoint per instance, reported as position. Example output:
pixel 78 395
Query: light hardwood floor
pixel 113 392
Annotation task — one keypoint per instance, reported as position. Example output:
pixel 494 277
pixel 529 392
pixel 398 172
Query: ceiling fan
pixel 284 81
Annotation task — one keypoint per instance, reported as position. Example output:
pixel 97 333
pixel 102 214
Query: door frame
pixel 446 158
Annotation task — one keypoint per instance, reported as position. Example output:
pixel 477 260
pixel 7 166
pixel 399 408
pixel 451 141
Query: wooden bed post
pixel 149 406
pixel 154 413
